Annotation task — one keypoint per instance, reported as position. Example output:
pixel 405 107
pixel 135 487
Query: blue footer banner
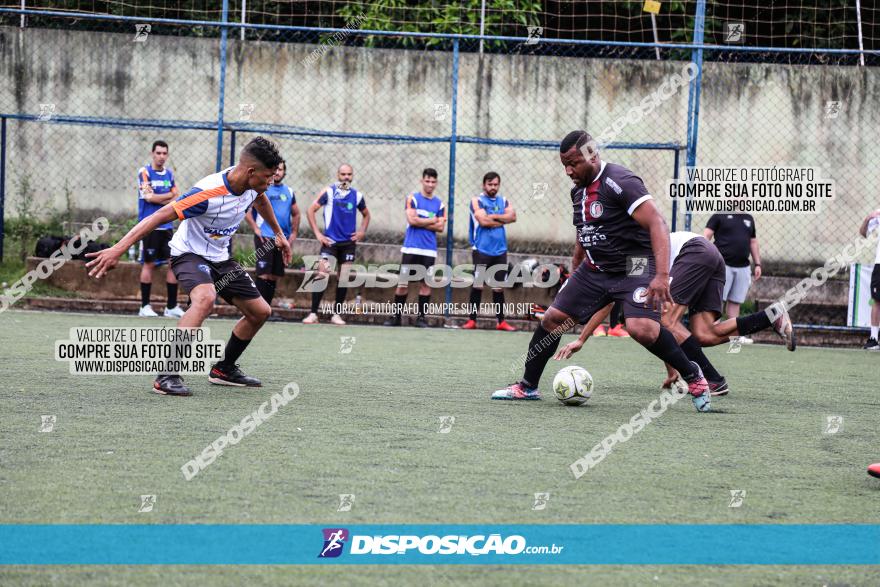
pixel 157 544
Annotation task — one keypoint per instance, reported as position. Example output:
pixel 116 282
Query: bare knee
pixel 554 319
pixel 643 330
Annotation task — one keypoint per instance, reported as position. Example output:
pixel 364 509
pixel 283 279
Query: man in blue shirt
pixel 340 202
pixel 269 260
pixel 156 187
pixel 426 216
pixel 490 213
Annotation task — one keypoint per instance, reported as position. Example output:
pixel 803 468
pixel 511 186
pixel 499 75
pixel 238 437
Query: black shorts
pixel 155 247
pixel 269 260
pixel 412 260
pixel 697 277
pixel 483 261
pixel 587 291
pixel 343 252
pixel 228 277
pixel 875 283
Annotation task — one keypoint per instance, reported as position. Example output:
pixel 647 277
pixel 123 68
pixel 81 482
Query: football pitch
pixel 401 419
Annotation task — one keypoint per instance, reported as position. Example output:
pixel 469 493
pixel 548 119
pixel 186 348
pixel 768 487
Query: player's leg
pixel 696 284
pixel 872 344
pixel 264 264
pixel 401 292
pixel 146 283
pixel 344 258
pixel 239 290
pixel 582 295
pixel 426 263
pixel 499 277
pixel 737 293
pixel 197 276
pixel 327 252
pixel 710 333
pixel 480 265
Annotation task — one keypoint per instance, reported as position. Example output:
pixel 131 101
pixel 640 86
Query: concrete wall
pixel 751 115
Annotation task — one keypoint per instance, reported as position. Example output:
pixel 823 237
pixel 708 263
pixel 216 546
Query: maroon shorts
pixel 697 277
pixel 587 291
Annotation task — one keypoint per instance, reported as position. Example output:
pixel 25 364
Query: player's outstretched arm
pixel 104 261
pixel 264 209
pixel 650 219
pixel 574 346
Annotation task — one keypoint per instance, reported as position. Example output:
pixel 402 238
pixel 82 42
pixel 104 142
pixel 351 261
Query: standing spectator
pixel 269 259
pixel 340 202
pixel 736 238
pixel 156 188
pixel 426 216
pixel 872 224
pixel 490 213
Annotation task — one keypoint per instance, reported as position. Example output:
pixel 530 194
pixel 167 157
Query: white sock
pixel 874 330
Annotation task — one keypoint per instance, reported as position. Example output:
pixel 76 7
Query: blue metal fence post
pixel 223 35
pixel 694 94
pixel 676 160
pixel 450 205
pixel 231 148
pixel 2 183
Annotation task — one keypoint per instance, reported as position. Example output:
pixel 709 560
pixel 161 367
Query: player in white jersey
pixel 696 283
pixel 869 225
pixel 210 213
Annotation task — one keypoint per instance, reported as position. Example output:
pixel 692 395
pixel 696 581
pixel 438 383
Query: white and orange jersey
pixel 211 213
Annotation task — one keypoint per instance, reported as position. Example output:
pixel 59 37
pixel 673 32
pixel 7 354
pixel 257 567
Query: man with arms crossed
pixel 211 213
pixel 426 216
pixel 490 214
pixel 156 188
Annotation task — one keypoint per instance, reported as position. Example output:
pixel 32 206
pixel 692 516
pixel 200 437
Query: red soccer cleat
pixel 600 331
pixel 469 325
pixel 874 470
pixel 618 331
pixel 503 325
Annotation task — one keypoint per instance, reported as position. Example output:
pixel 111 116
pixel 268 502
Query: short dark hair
pixel 429 172
pixel 576 138
pixel 490 176
pixel 264 151
pixel 158 144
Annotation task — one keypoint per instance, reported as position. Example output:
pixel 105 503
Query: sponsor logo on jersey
pixel 613 185
pixel 216 233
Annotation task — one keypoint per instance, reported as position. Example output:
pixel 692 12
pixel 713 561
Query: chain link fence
pixel 81 109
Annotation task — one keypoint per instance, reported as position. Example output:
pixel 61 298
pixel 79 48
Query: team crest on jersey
pixel 640 295
pixel 596 209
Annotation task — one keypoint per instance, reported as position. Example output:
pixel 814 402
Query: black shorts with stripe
pixel 697 277
pixel 229 279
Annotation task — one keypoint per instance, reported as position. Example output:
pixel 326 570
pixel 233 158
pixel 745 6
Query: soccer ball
pixel 573 385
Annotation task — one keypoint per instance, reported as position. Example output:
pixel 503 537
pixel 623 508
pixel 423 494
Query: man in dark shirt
pixel 735 237
pixel 622 254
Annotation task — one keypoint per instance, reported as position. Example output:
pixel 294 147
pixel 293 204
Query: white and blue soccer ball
pixel 573 385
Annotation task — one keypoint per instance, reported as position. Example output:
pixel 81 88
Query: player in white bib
pixel 211 213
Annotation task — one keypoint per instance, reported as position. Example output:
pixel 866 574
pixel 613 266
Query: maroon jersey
pixel 603 219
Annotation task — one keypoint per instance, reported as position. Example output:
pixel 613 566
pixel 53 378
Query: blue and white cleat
pixel 517 391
